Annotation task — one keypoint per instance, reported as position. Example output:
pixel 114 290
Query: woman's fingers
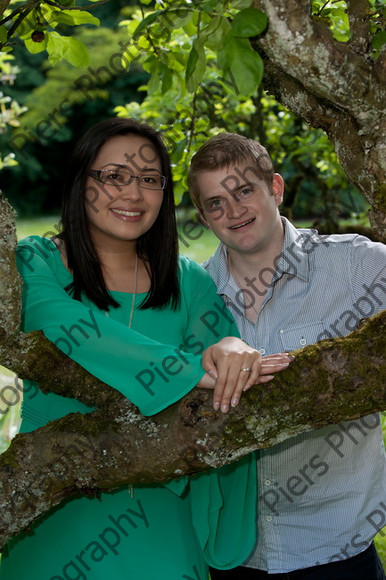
pixel 234 367
pixel 252 370
pixel 234 374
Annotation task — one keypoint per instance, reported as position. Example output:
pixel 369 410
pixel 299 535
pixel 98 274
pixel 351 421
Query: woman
pixel 111 292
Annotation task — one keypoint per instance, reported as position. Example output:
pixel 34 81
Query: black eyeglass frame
pixel 96 174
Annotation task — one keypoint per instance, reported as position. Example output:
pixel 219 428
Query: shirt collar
pixel 217 267
pixel 294 257
pixel 293 260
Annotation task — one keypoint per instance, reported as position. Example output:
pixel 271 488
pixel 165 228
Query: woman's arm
pixel 114 353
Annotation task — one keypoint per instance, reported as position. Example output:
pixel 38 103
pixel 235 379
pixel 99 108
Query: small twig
pixel 20 19
pixel 18 10
pixel 92 6
pixel 325 4
pixel 192 122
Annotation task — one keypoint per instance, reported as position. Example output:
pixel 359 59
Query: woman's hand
pixel 233 367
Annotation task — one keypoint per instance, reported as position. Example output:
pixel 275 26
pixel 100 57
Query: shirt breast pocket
pixel 300 336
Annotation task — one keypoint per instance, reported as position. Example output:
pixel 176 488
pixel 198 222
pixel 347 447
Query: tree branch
pixel 359 18
pixel 334 380
pixel 3 6
pixel 298 43
pixel 333 87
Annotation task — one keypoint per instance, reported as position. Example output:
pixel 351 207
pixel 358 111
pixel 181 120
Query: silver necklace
pixel 130 486
pixel 134 293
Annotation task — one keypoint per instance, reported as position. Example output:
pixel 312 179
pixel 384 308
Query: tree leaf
pixel 155 70
pixel 195 68
pixel 68 48
pixel 209 6
pixel 35 47
pixel 73 17
pixel 245 65
pixel 150 18
pixel 3 34
pixel 379 39
pixel 241 4
pixel 166 77
pixel 249 22
pixel 214 35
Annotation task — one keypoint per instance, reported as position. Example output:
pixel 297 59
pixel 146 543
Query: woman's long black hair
pixel 158 247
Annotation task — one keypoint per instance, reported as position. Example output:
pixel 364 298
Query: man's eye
pixel 245 191
pixel 215 203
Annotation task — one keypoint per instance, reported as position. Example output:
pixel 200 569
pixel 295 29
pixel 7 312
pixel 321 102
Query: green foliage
pixel 377 23
pixel 249 22
pixel 41 27
pixel 201 77
pixel 59 107
pixel 333 12
pixel 198 54
pixel 204 79
pixel 194 34
pixel 10 110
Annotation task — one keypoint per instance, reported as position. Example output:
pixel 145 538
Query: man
pixel 321 494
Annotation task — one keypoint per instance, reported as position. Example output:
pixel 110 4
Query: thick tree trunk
pixel 333 85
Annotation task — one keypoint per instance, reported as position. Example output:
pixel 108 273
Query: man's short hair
pixel 225 150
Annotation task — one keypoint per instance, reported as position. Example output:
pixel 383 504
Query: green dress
pixel 163 531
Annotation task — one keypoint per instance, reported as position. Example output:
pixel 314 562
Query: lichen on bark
pixel 338 87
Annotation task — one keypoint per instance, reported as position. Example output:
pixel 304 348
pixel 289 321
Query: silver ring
pixel 246 370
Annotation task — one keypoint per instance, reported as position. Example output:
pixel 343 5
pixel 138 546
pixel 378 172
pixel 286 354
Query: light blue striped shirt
pixel 321 494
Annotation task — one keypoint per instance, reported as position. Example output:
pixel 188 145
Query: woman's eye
pixel 116 177
pixel 148 179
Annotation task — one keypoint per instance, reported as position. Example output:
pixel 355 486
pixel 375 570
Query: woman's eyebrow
pixel 129 168
pixel 111 164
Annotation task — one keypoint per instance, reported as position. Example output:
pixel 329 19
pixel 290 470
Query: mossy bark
pixel 336 86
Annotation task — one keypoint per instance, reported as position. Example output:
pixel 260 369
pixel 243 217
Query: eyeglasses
pixel 120 177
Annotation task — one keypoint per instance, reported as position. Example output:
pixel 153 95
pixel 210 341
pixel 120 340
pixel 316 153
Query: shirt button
pixel 303 341
pixel 281 331
pixel 267 482
pixel 262 351
pixel 268 518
